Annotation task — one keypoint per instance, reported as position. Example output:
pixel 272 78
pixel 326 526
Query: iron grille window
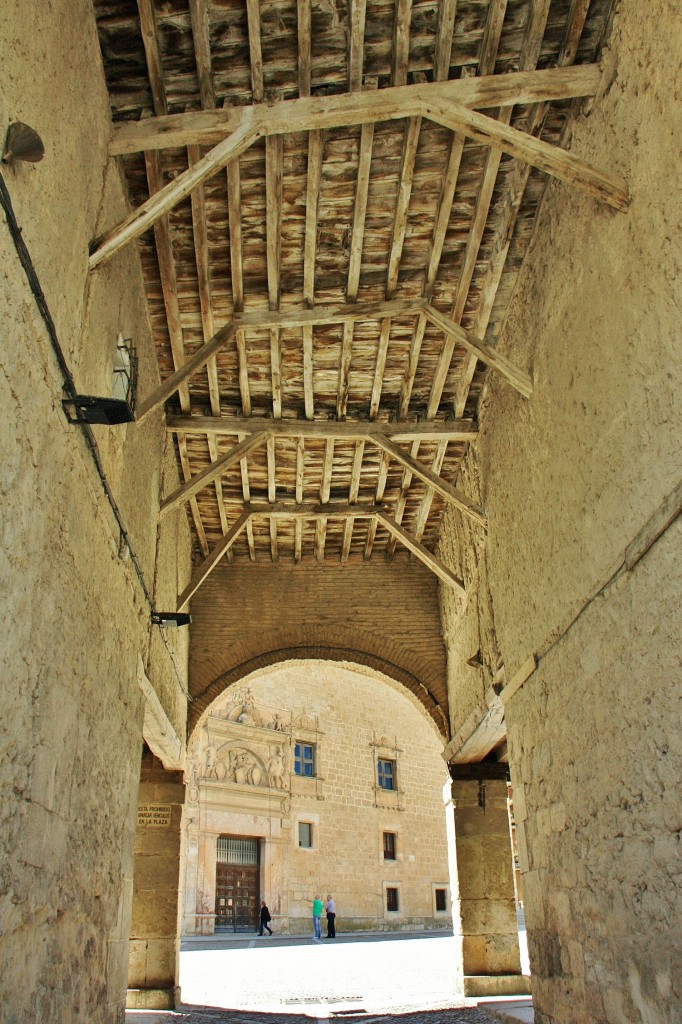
pixel 392 903
pixel 389 845
pixel 237 851
pixel 386 774
pixel 305 835
pixel 441 899
pixel 304 759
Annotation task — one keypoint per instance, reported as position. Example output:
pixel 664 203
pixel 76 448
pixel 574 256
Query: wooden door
pixel 237 889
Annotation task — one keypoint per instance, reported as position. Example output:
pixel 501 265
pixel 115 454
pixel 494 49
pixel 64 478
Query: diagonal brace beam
pixel 209 564
pixel 432 479
pixel 208 475
pixel 517 378
pixel 430 560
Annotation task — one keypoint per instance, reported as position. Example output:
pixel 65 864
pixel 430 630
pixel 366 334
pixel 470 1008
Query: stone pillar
pixel 487 908
pixel 154 939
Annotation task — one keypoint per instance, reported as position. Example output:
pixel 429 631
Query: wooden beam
pixel 200 235
pixel 360 209
pixel 603 186
pixel 312 204
pixel 169 285
pixel 308 113
pixel 246 492
pixel 304 47
pixel 285 510
pixel 290 318
pixel 355 259
pixel 409 157
pixel 208 475
pixel 300 469
pixel 401 41
pixel 139 220
pixel 530 52
pixel 491 37
pixel 447 10
pixel 425 507
pixel 352 498
pixel 350 430
pixel 207 566
pixel 152 51
pixel 356 44
pixel 255 50
pixel 518 380
pixel 446 490
pixel 159 395
pixel 430 560
pixel 436 250
pixel 272 495
pixel 311 215
pixel 382 476
pixel 274 155
pixel 379 369
pixel 467 272
pixel 198 11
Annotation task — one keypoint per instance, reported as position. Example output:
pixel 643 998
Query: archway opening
pixel 306 780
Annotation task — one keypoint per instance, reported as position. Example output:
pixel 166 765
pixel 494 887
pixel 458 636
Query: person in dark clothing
pixel 265 918
pixel 330 907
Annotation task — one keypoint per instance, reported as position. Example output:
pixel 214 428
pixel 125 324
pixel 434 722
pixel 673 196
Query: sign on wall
pixel 154 816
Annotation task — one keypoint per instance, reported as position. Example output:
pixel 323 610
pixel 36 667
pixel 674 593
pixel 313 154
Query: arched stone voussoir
pixel 282 649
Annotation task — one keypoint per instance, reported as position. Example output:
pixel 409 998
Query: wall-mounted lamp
pixel 22 143
pixel 476 661
pixel 171 619
pixel 120 408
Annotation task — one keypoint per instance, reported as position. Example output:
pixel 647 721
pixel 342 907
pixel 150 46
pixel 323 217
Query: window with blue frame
pixel 386 774
pixel 304 759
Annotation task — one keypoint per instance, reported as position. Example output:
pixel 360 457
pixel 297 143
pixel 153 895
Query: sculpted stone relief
pixel 216 756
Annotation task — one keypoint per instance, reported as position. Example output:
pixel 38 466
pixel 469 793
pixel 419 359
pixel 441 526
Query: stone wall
pixel 383 615
pixel 351 718
pixel 76 619
pixel 578 482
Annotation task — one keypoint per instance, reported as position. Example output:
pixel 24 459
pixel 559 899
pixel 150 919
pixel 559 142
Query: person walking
pixel 265 918
pixel 330 908
pixel 317 914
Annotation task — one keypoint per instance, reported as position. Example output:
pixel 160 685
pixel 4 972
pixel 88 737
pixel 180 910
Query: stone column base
pixel 150 999
pixel 496 985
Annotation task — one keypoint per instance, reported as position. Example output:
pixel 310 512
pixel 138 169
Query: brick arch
pixel 387 656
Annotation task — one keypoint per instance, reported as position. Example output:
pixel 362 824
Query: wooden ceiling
pixel 332 200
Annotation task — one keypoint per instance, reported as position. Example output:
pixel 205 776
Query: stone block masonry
pixel 76 618
pixel 570 479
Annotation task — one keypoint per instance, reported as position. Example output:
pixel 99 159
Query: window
pixel 389 845
pixel 441 899
pixel 304 759
pixel 386 774
pixel 305 835
pixel 392 899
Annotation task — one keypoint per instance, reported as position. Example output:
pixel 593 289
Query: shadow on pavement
pixel 230 940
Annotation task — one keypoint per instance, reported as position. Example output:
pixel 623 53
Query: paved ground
pixel 293 979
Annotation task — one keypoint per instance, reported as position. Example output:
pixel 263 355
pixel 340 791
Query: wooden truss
pixel 338 219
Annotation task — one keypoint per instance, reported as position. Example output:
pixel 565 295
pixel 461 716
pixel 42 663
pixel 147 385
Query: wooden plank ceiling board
pixel 341 197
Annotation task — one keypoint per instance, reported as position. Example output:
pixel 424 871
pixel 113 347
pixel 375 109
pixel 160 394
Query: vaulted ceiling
pixel 332 201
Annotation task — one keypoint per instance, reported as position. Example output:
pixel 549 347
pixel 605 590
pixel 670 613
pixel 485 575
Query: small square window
pixel 304 759
pixel 386 774
pixel 441 899
pixel 305 835
pixel 389 845
pixel 392 903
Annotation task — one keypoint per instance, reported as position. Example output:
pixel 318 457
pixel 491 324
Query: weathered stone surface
pixel 75 614
pixel 569 478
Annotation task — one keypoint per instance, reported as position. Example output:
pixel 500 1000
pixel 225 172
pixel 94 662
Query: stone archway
pixel 346 718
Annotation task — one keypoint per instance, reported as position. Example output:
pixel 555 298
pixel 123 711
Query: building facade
pixel 316 778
